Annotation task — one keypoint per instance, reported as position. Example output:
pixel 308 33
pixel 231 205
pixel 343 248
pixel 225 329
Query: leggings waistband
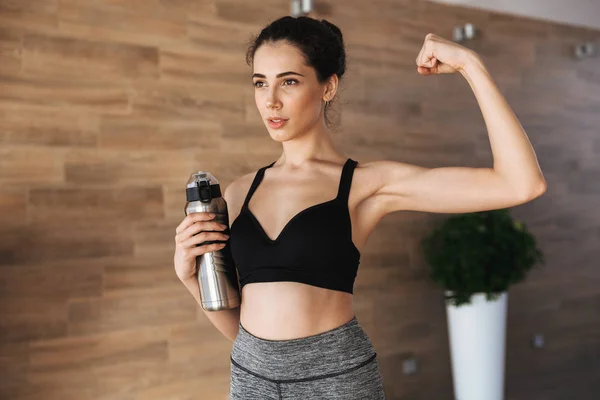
pixel 338 350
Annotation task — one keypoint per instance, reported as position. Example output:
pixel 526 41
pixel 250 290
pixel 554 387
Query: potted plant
pixel 475 258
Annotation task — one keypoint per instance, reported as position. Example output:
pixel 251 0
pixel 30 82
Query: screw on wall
pixel 462 33
pixel 300 7
pixel 537 341
pixel 409 366
pixel 585 50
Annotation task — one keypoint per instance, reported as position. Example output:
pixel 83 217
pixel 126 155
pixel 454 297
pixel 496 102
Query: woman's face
pixel 286 88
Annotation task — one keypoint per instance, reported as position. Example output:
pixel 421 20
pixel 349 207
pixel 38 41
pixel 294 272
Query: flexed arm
pixel 515 177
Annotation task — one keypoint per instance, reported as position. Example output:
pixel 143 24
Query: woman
pixel 300 222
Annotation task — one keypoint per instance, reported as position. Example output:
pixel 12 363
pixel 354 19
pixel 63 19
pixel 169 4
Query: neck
pixel 314 145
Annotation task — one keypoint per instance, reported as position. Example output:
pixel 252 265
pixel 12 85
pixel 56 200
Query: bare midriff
pixel 292 310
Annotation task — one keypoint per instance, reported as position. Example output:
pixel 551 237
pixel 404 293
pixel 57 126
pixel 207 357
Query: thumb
pixel 424 71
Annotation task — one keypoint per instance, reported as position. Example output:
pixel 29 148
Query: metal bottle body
pixel 216 274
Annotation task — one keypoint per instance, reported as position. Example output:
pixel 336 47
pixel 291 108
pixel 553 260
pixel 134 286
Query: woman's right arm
pixel 226 321
pixel 190 233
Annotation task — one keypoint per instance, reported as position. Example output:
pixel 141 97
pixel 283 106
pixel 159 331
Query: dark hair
pixel 321 43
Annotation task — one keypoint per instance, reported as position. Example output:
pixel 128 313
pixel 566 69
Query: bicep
pixel 444 189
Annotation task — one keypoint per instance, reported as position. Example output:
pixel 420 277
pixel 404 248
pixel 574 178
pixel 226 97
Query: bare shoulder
pixel 235 193
pixel 370 176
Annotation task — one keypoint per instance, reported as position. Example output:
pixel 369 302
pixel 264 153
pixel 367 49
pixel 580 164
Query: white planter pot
pixel 477 334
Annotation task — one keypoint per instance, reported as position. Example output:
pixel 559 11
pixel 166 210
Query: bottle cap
pixel 202 186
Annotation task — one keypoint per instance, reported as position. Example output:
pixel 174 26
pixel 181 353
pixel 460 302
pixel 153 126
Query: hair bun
pixel 334 29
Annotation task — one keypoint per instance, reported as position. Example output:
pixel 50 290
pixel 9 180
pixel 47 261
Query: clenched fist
pixel 442 56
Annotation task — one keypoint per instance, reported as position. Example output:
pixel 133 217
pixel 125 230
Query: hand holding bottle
pixel 193 232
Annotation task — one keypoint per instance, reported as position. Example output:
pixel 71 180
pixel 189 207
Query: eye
pixel 290 81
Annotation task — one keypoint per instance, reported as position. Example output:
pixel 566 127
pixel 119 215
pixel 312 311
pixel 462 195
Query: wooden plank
pixel 61 92
pixel 60 56
pixel 55 127
pixel 93 204
pixel 122 167
pixel 10 51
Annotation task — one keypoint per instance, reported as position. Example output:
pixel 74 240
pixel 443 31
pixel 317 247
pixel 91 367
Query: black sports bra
pixel 315 247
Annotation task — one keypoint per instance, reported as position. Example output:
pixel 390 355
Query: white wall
pixel 574 12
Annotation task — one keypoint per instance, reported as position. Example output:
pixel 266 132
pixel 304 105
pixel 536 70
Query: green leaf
pixel 483 252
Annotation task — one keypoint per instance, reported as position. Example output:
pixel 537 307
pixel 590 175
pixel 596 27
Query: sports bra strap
pixel 343 189
pixel 257 178
pixel 346 180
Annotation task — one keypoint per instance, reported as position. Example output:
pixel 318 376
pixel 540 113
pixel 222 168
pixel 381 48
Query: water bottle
pixel 216 274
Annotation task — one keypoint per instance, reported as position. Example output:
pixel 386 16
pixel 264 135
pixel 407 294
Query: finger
pixel 206 238
pixel 427 51
pixel 197 228
pixel 423 52
pixel 207 248
pixel 200 250
pixel 193 217
pixel 429 59
pixel 423 71
pixel 418 59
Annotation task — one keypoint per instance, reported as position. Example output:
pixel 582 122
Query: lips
pixel 276 123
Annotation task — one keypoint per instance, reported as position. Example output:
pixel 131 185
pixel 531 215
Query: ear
pixel 330 88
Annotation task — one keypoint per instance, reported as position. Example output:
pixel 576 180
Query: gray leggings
pixel 337 364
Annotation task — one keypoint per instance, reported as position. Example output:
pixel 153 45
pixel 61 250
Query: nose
pixel 272 100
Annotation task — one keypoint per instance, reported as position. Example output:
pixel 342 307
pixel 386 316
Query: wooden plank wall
pixel 106 107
